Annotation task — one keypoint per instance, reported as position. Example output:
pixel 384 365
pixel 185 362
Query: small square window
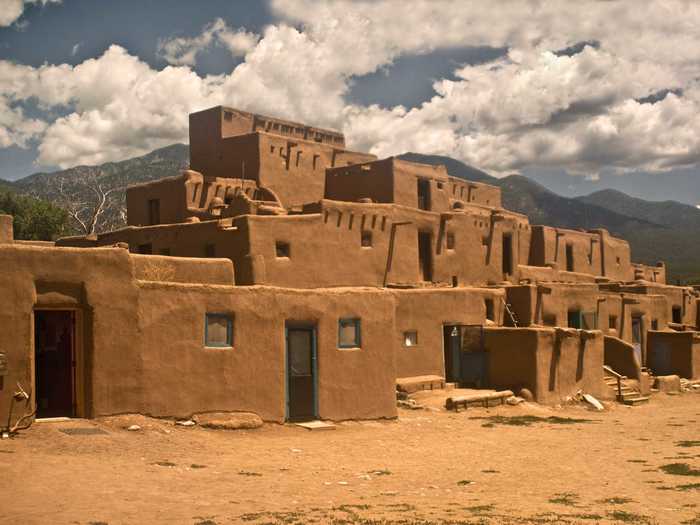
pixel 549 320
pixel 410 338
pixel 282 249
pixel 218 330
pixel 450 240
pixel 439 185
pixel 366 240
pixel 349 333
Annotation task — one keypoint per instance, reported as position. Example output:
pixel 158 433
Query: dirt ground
pixel 510 464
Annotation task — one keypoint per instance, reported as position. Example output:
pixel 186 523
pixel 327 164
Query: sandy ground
pixel 425 467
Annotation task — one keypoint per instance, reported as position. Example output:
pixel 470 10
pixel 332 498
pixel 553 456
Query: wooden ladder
pixel 511 314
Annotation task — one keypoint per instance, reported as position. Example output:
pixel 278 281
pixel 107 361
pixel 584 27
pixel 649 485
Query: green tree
pixel 34 219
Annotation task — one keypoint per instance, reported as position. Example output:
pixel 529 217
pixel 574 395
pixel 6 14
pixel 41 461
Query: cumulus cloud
pixel 11 10
pixel 184 50
pixel 583 86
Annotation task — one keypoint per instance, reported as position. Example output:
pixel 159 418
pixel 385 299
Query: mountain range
pixel 655 230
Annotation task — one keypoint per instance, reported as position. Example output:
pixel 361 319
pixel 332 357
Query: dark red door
pixel 54 340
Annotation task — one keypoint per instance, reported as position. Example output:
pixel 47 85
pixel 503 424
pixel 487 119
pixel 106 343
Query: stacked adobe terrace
pixel 285 275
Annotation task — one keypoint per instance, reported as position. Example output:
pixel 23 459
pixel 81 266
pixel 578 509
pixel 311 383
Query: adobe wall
pixel 619 355
pixel 549 303
pixel 6 229
pixel 683 299
pixel 171 194
pixel 594 253
pixel 674 353
pixel 182 270
pixel 654 274
pixel 295 169
pixel 393 180
pixel 552 363
pixel 210 128
pixel 427 312
pixel 322 243
pixel 98 283
pixel 184 377
pixel 143 340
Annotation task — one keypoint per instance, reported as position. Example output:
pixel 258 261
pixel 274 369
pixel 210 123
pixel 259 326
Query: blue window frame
pixel 349 333
pixel 218 330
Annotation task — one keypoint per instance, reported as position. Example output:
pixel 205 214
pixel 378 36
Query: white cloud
pixel 11 10
pixel 184 50
pixel 534 107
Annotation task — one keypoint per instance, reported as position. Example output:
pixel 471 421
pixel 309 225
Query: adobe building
pixel 287 276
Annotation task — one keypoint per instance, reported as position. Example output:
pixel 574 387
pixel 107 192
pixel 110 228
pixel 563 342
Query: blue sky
pixel 89 81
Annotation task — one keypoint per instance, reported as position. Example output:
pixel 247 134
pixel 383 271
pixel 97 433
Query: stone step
pixel 633 401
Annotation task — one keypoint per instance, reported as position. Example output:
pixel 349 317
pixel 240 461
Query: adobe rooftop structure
pixel 285 275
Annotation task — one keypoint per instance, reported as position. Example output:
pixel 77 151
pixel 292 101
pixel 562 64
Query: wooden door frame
pixel 311 327
pixel 78 344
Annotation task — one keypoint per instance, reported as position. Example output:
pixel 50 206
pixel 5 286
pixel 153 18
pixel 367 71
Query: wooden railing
pixel 619 378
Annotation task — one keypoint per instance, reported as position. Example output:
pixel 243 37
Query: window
pixel 366 239
pixel 210 250
pixel 612 322
pixel 410 338
pixel 676 315
pixel 439 185
pixel 282 249
pixel 349 333
pixel 154 211
pixel 228 116
pixel 450 240
pixel 272 148
pixel 574 319
pixel 218 330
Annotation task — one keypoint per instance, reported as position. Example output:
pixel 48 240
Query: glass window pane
pixel 410 338
pixel 348 334
pixel 299 352
pixel 218 330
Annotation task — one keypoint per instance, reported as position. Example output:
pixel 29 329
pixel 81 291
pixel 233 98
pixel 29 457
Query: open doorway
pixel 637 338
pixel 452 343
pixel 425 255
pixel 507 254
pixel 569 257
pixel 55 358
pixel 302 400
pixel 424 194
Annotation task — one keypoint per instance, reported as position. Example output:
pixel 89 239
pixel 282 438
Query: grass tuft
pixel 527 420
pixel 680 469
pixel 565 498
